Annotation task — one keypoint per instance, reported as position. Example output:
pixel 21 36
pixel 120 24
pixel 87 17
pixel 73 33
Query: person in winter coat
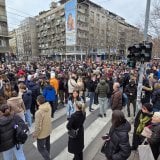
pixel 76 145
pixel 17 105
pixel 146 91
pixel 131 92
pixel 72 84
pixel 81 86
pixel 55 84
pixel 7 134
pixel 143 119
pixel 156 98
pixel 61 89
pixel 50 96
pixel 110 83
pixel 71 107
pixel 7 90
pixel 118 147
pixel 102 90
pixel 116 98
pixel 154 141
pixel 91 85
pixel 27 99
pixel 43 127
pixel 35 88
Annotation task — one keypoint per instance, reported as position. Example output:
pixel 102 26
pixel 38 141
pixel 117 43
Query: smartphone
pixel 105 137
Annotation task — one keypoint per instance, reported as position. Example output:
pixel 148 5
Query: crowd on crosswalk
pixel 31 92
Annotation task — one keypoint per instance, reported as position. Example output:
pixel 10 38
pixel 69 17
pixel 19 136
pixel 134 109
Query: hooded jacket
pixel 118 147
pixel 17 104
pixel 43 126
pixel 34 87
pixel 55 84
pixel 49 93
pixel 6 133
pixel 102 89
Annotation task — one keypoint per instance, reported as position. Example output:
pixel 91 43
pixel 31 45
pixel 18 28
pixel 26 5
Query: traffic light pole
pixel 140 82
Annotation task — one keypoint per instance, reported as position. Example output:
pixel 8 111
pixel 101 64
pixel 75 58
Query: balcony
pixel 3 18
pixel 4 34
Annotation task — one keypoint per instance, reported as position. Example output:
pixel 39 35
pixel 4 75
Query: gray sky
pixel 132 10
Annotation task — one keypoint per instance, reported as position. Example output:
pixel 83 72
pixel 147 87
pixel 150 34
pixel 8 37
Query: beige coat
pixel 43 124
pixel 17 104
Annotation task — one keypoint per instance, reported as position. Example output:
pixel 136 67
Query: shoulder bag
pixel 73 133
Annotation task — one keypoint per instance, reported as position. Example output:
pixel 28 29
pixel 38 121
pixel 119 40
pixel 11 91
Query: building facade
pixel 12 42
pixel 26 39
pixel 4 38
pixel 79 29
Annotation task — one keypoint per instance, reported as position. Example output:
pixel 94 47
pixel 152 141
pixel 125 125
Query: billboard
pixel 70 22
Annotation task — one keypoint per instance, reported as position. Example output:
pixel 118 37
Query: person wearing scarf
pixel 143 118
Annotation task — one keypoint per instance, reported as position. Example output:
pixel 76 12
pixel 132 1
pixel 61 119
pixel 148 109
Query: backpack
pixel 124 99
pixel 21 131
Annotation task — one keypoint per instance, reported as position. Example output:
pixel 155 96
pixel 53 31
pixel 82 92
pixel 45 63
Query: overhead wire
pixel 19 11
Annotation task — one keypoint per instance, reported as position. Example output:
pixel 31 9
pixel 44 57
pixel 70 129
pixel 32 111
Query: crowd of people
pixel 33 91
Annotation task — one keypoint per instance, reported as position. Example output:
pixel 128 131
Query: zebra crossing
pixel 59 137
pixel 59 132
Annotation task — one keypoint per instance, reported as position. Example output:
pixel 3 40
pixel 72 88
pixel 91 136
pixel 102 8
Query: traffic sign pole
pixel 140 83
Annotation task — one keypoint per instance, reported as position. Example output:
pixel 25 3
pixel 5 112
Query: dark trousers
pixel 33 107
pixel 91 96
pixel 134 106
pixel 52 108
pixel 56 103
pixel 155 150
pixel 137 140
pixel 78 156
pixel 66 96
pixel 61 96
pixel 43 146
pixel 96 98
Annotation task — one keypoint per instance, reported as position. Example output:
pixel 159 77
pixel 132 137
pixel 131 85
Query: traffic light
pixel 146 53
pixel 135 52
pixel 141 52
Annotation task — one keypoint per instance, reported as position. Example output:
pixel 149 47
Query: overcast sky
pixel 131 10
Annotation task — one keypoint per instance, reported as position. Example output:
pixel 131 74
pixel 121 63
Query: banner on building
pixel 70 16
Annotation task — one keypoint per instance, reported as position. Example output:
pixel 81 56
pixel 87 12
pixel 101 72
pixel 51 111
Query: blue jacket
pixel 71 108
pixel 49 93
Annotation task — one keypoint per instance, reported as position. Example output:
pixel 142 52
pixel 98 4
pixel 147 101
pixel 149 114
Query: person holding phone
pixel 118 147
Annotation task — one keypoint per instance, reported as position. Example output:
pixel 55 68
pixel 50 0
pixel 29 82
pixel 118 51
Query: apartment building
pixel 12 42
pixel 27 38
pixel 79 29
pixel 50 26
pixel 4 38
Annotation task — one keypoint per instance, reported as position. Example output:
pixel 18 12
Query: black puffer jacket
pixel 118 148
pixel 6 133
pixel 131 91
pixel 91 85
pixel 156 99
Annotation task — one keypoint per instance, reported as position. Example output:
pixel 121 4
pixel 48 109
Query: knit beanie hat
pixel 148 106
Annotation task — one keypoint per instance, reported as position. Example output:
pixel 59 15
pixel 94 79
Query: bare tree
pixel 155 18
